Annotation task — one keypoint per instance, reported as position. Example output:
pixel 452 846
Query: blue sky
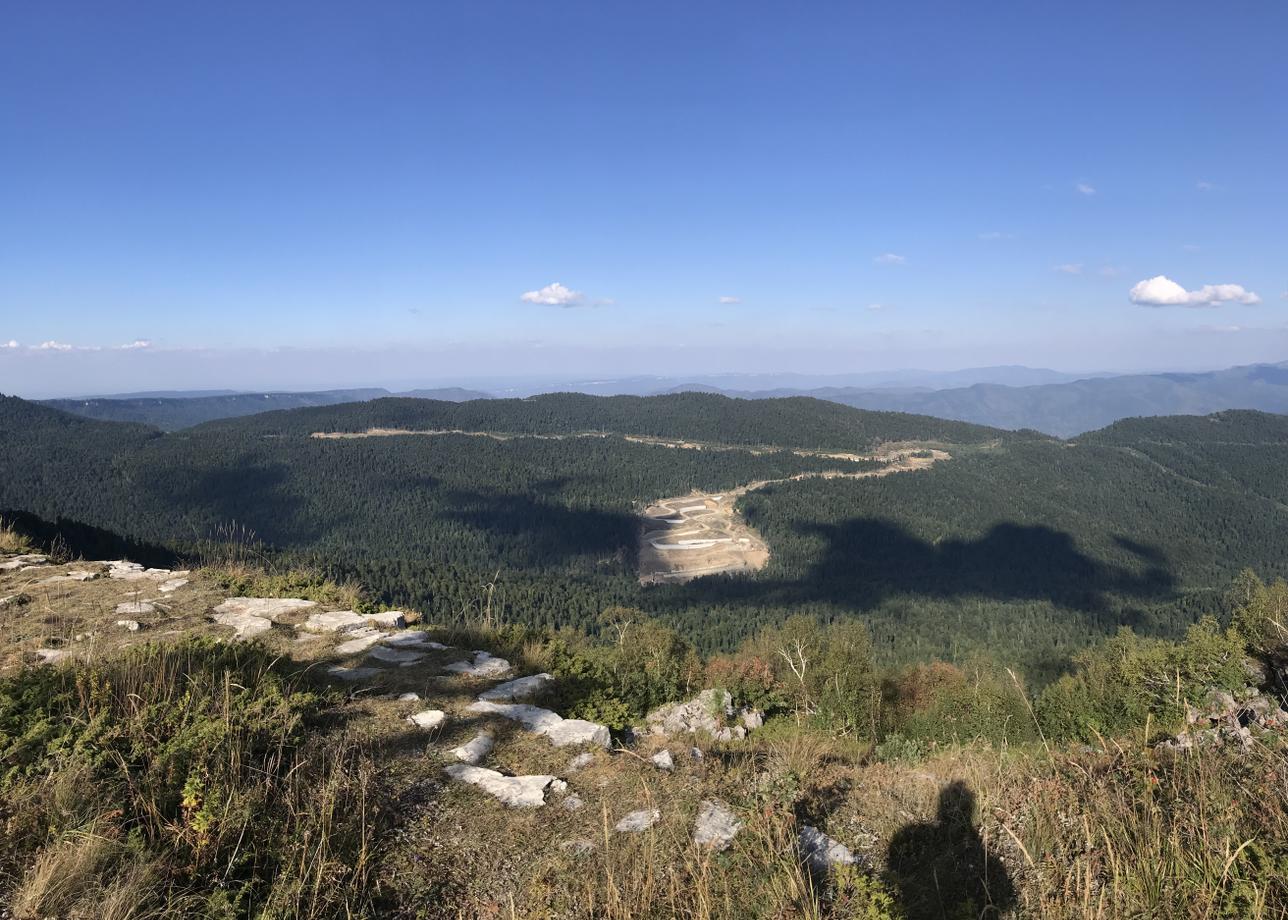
pixel 375 186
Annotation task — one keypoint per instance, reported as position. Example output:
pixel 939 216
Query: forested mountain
pixel 1020 544
pixel 1066 409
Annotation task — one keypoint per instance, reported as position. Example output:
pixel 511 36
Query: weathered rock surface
pixel 351 674
pixel 73 575
pixel 135 608
pixel 171 585
pixel 751 719
pixel 559 730
pixel 483 665
pixel 131 625
pixel 246 625
pixel 401 657
pixel 52 655
pixel 335 621
pixel 716 825
pixel 706 712
pixel 14 600
pixel 408 697
pixel 412 637
pixel 581 761
pixel 1226 719
pixel 638 821
pixel 571 802
pixel 428 719
pixel 822 852
pixel 474 750
pixel 14 563
pixel 360 640
pixel 514 791
pixel 269 608
pixel 519 689
pixel 131 571
pixel 663 760
pixel 389 619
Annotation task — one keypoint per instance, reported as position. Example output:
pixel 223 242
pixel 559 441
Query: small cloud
pixel 1085 189
pixel 13 343
pixel 55 346
pixel 1161 291
pixel 726 298
pixel 135 345
pixel 994 235
pixel 1068 268
pixel 553 295
pixel 890 258
pixel 877 306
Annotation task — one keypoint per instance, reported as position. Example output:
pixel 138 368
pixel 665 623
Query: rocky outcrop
pixel 335 621
pixel 822 852
pixel 352 674
pixel 359 641
pixel 404 658
pixel 1225 718
pixel 560 731
pixel 135 608
pixel 483 665
pixel 709 712
pixel 389 619
pixel 716 825
pixel 245 625
pixel 253 616
pixel 514 791
pixel 518 689
pixel 122 570
pixel 474 750
pixel 25 561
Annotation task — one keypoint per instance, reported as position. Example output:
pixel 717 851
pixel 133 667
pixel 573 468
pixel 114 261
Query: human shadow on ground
pixel 942 869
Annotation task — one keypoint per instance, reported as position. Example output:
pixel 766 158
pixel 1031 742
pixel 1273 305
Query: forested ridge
pixel 1022 545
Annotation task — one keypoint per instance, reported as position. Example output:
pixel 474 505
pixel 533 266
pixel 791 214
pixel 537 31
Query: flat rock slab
pixel 52 655
pixel 131 571
pixel 428 719
pixel 269 608
pixel 135 608
pixel 389 619
pixel 74 575
pixel 474 750
pixel 26 560
pixel 246 625
pixel 351 674
pixel 514 791
pixel 519 689
pixel 638 821
pixel 360 640
pixel 412 638
pixel 171 584
pixel 716 825
pixel 483 665
pixel 335 621
pixel 559 730
pixel 401 657
pixel 822 852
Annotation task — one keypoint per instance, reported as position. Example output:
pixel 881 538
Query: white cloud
pixel 1069 268
pixel 1161 291
pixel 135 345
pixel 12 343
pixel 553 295
pixel 890 258
pixel 55 346
pixel 876 306
pixel 1085 189
pixel 730 299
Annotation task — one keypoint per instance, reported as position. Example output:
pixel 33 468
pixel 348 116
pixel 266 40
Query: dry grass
pixel 12 542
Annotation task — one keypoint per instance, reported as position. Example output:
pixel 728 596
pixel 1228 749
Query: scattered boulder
pixel 401 657
pixel 1226 719
pixel 428 719
pixel 246 625
pixel 716 825
pixel 559 730
pixel 131 625
pixel 519 689
pixel 335 621
pixel 483 665
pixel 706 712
pixel 389 619
pixel 638 821
pixel 408 697
pixel 751 719
pixel 135 608
pixel 822 852
pixel 663 760
pixel 27 560
pixel 269 608
pixel 514 791
pixel 473 751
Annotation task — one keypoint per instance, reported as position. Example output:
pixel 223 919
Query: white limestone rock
pixel 571 802
pixel 135 608
pixel 514 791
pixel 560 731
pixel 822 852
pixel 581 761
pixel 52 655
pixel 131 625
pixel 751 719
pixel 408 697
pixel 359 641
pixel 473 751
pixel 73 575
pixel 389 619
pixel 352 674
pixel 518 689
pixel 123 570
pixel 638 821
pixel 706 712
pixel 663 760
pixel 335 621
pixel 401 657
pixel 245 625
pixel 428 719
pixel 412 638
pixel 26 560
pixel 170 585
pixel 716 825
pixel 268 608
pixel 483 665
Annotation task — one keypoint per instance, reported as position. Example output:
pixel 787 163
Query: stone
pixel 706 712
pixel 52 655
pixel 389 619
pixel 131 625
pixel 359 641
pixel 638 821
pixel 474 750
pixel 514 791
pixel 408 697
pixel 751 719
pixel 14 600
pixel 663 760
pixel 351 674
pixel 74 575
pixel 515 690
pixel 122 570
pixel 24 561
pixel 822 852
pixel 335 621
pixel 696 753
pixel 438 646
pixel 412 637
pixel 135 608
pixel 483 665
pixel 269 608
pixel 400 657
pixel 571 802
pixel 246 625
pixel 581 761
pixel 171 585
pixel 428 719
pixel 559 730
pixel 716 825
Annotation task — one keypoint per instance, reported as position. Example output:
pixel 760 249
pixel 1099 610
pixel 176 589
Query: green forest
pixel 1022 545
